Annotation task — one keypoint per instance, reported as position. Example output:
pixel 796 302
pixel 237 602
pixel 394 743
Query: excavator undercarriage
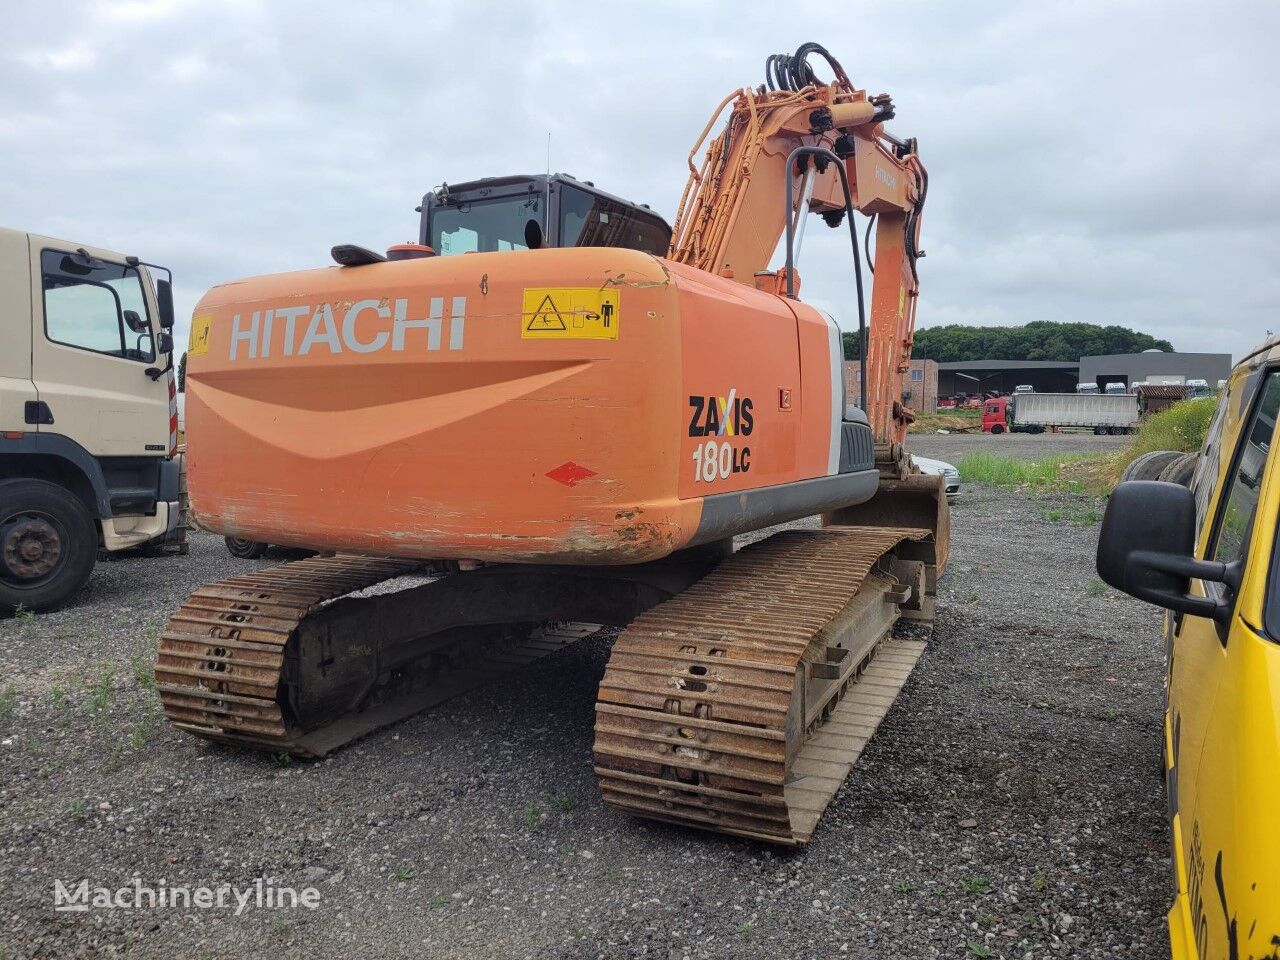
pixel 737 697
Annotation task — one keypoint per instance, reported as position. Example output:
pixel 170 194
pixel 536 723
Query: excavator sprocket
pixel 741 704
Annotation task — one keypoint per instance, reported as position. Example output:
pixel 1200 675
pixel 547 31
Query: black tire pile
pixel 1167 465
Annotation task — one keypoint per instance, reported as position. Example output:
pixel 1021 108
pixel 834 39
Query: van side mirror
pixel 1147 549
pixel 164 300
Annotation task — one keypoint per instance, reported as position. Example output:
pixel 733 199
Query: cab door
pixel 16 388
pixel 1223 721
pixel 94 332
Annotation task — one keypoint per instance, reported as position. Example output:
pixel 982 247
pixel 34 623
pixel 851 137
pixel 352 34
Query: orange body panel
pixel 400 408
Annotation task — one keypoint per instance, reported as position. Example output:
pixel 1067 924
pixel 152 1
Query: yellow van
pixel 1208 555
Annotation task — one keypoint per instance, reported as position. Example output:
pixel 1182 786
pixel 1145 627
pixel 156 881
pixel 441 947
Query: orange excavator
pixel 553 413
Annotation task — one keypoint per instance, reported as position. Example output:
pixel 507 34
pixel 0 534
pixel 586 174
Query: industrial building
pixel 928 380
pixel 1001 376
pixel 920 392
pixel 1131 368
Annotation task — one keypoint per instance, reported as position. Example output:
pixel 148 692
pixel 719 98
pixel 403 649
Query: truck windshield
pixel 487 226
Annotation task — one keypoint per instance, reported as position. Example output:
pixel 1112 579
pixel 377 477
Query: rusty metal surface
pixel 221 656
pixel 293 658
pixel 700 715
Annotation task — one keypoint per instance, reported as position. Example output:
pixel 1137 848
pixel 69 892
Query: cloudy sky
pixel 1112 162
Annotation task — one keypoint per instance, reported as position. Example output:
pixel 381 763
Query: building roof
pixel 1178 354
pixel 1009 365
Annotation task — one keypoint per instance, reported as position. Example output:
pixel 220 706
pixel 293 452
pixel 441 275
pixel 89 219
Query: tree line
pixel 1038 340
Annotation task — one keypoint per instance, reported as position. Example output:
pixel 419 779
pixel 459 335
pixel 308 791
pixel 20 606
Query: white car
pixel 941 467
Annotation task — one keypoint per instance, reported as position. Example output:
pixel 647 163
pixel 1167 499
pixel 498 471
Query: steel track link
pixel 706 714
pixel 221 656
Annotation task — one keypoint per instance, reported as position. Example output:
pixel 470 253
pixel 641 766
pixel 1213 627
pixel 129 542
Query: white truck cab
pixel 88 430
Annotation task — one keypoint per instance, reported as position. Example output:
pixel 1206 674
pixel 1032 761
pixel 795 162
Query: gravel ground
pixel 1010 806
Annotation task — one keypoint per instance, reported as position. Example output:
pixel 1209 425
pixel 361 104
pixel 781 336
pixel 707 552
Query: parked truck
pixel 88 417
pixel 1037 412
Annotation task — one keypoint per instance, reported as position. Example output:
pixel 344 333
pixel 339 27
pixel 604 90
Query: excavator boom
pixel 732 214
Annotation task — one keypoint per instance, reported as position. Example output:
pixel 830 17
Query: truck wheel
pixel 1099 431
pixel 245 549
pixel 997 428
pixel 48 544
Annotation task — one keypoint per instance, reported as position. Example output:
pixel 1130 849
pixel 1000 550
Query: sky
pixel 1111 162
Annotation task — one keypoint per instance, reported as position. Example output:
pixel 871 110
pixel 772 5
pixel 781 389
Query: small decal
pixel 198 344
pixel 902 302
pixel 569 313
pixel 570 473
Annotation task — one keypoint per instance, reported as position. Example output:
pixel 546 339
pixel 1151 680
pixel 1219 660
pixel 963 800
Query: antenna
pixel 546 210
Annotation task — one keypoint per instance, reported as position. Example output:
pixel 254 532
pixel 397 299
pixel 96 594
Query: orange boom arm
pixel 733 211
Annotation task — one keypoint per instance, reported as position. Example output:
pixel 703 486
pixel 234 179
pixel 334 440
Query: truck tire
pixel 997 428
pixel 245 549
pixel 1180 470
pixel 48 545
pixel 1149 465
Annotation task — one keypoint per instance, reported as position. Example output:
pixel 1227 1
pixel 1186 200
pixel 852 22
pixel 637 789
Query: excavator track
pixel 741 704
pixel 229 656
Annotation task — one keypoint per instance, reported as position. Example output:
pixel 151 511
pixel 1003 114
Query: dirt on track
pixel 1010 806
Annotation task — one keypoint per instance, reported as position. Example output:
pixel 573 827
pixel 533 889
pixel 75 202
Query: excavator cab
pixel 532 212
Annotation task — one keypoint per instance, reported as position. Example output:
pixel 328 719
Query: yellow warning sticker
pixel 569 313
pixel 199 342
pixel 902 301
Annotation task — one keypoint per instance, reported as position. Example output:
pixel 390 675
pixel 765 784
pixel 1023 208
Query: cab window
pixel 94 305
pixel 588 220
pixel 1239 502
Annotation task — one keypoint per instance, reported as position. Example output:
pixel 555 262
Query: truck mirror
pixel 134 322
pixel 164 343
pixel 1147 548
pixel 164 299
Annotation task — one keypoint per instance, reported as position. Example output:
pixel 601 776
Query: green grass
pixel 1182 427
pixel 143 662
pixel 976 885
pixel 8 703
pixel 1081 514
pixel 1012 472
pixel 100 691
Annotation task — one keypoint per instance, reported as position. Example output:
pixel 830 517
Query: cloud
pixel 1110 162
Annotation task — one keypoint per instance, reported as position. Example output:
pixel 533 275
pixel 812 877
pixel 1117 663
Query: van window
pixel 1240 500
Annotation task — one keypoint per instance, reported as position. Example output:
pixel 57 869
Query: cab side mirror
pixel 1147 549
pixel 164 300
pixel 164 343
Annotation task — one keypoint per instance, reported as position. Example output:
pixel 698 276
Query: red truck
pixel 994 418
pixel 1038 412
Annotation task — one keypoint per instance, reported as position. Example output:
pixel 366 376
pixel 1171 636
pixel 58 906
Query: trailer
pixel 1038 412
